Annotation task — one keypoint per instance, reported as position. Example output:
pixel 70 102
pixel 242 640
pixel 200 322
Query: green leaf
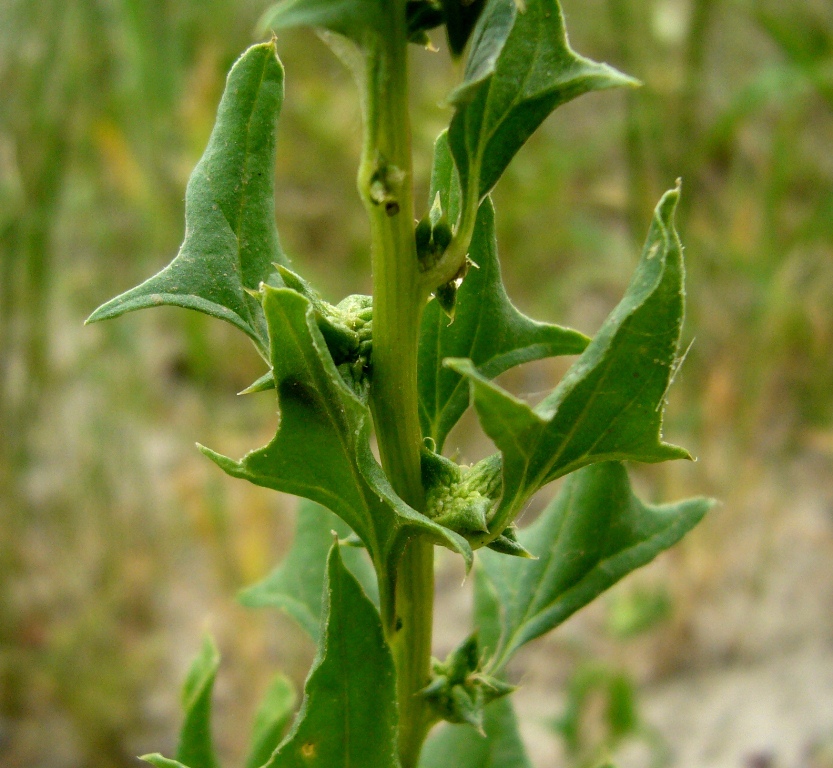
pixel 445 181
pixel 296 585
pixel 231 241
pixel 487 329
pixel 322 447
pixel 271 720
pixel 162 762
pixel 519 69
pixel 462 746
pixel 348 717
pixel 488 611
pixel 595 532
pixel 610 404
pixel 354 19
pixel 195 749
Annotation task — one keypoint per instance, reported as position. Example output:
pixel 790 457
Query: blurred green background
pixel 120 545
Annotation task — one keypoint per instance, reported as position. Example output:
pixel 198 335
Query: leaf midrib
pixel 244 188
pixel 346 448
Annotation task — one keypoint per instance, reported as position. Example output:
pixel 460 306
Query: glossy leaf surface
pixel 348 717
pixel 519 69
pixel 609 405
pixel 595 532
pixel 296 586
pixel 271 721
pixel 487 329
pixel 231 241
pixel 322 447
pixel 462 746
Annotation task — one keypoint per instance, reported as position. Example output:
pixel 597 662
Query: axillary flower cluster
pixel 394 367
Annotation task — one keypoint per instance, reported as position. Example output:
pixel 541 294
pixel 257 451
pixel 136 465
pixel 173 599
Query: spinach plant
pixel 404 365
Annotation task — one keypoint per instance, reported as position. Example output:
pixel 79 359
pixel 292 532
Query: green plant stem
pixel 385 183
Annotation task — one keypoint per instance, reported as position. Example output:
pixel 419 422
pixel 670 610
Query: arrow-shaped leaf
pixel 610 404
pixel 487 329
pixel 595 532
pixel 519 69
pixel 349 714
pixel 296 585
pixel 322 448
pixel 231 241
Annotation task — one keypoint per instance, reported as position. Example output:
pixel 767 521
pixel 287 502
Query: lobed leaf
pixel 610 404
pixel 231 241
pixel 595 532
pixel 322 447
pixel 487 329
pixel 349 713
pixel 519 69
pixel 296 586
pixel 462 746
pixel 195 747
pixel 271 721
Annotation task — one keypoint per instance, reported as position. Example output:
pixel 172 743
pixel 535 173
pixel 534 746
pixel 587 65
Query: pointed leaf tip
pixel 519 69
pixel 488 329
pixel 349 713
pixel 610 404
pixel 231 239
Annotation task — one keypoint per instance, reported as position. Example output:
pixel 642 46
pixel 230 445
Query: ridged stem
pixel 386 186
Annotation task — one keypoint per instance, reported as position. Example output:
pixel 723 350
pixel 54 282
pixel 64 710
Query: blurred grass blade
pixel 271 721
pixel 231 241
pixel 195 747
